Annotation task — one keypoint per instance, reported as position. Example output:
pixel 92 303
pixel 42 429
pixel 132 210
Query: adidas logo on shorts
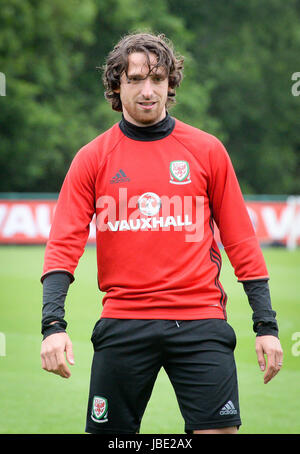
pixel 228 409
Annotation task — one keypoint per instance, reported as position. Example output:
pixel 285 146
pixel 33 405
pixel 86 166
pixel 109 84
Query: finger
pixel 47 362
pixel 43 361
pixel 51 361
pixel 43 358
pixel 279 359
pixel 69 353
pixel 269 374
pixel 46 365
pixel 260 357
pixel 55 366
pixel 62 368
pixel 272 369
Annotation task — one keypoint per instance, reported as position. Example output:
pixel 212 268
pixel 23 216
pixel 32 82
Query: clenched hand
pixel 56 349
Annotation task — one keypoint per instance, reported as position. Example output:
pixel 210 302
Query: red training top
pixel 156 202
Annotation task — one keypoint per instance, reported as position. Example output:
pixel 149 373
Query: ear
pixel 116 90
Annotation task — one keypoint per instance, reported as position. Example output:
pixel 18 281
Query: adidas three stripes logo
pixel 120 177
pixel 228 409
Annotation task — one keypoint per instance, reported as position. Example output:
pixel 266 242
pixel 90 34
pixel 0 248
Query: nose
pixel 147 88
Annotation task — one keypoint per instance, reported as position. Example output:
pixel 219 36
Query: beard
pixel 144 117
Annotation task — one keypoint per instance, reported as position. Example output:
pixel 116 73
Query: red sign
pixel 29 221
pixel 23 221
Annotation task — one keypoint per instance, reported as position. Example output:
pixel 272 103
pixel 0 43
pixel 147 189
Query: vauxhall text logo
pixel 151 212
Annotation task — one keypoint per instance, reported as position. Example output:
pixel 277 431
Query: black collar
pixel 148 133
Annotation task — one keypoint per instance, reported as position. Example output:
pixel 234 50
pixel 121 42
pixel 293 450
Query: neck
pixel 150 133
pixel 131 120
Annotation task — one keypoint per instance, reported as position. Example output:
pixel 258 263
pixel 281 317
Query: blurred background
pixel 242 84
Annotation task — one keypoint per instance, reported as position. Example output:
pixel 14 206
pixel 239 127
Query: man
pixel 157 186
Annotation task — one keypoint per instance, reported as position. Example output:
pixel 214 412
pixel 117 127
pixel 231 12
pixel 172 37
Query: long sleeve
pixel 264 318
pixel 74 211
pixel 232 218
pixel 55 289
pixel 240 242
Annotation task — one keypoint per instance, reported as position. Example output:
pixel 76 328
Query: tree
pixel 239 60
pixel 40 55
pixel 247 51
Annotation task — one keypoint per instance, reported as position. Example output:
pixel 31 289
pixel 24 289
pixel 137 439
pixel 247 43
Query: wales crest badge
pixel 180 172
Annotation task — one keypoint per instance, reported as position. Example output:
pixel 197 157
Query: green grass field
pixel 34 401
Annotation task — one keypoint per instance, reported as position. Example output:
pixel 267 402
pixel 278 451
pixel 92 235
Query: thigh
pixel 125 365
pixel 201 367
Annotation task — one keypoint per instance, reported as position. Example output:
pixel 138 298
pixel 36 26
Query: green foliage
pixel 248 51
pixel 239 59
pixel 41 117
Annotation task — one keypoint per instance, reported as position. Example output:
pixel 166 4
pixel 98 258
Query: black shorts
pixel 197 355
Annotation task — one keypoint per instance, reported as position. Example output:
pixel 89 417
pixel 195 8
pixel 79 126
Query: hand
pixel 52 354
pixel 269 346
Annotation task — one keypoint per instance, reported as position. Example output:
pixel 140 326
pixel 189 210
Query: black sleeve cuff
pixel 264 318
pixel 58 327
pixel 55 288
pixel 267 329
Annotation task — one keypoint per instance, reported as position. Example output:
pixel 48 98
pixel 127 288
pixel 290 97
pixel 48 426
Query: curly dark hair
pixel 117 64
